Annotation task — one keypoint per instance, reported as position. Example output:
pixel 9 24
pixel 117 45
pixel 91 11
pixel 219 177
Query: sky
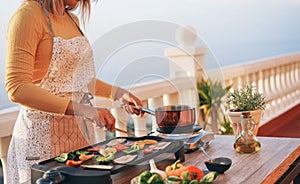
pixel 235 31
pixel 218 22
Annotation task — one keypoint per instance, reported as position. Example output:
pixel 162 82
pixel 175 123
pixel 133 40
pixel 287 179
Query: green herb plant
pixel 246 98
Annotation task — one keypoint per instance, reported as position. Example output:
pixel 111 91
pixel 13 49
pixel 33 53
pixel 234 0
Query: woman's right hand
pixel 102 117
pixel 131 103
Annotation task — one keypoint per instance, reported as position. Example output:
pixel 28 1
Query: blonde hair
pixel 54 6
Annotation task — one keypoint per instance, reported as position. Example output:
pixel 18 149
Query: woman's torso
pixel 62 27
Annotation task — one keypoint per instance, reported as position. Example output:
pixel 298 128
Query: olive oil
pixel 241 146
pixel 246 142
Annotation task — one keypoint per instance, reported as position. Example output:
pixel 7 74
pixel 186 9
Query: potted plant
pixel 246 98
pixel 211 95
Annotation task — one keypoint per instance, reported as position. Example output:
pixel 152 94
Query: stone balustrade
pixel 278 78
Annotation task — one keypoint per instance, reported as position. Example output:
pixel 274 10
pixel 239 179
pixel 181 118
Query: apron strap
pixel 74 22
pixel 47 14
pixel 49 21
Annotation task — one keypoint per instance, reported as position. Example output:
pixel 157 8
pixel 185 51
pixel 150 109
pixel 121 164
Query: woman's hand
pixel 132 104
pixel 104 118
pixel 100 116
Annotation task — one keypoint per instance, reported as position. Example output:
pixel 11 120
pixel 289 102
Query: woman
pixel 50 73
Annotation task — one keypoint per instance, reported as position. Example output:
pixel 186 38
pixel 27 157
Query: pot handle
pixel 147 110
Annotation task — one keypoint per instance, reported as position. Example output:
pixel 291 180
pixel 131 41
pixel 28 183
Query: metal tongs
pixel 142 109
pixel 147 110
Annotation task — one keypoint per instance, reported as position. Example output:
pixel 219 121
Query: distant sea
pixel 243 54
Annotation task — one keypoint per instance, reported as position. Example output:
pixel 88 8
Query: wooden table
pixel 269 165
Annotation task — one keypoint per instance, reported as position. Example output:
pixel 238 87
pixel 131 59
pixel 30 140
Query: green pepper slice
pixel 62 157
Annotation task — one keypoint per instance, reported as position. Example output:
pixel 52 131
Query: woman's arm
pixel 23 39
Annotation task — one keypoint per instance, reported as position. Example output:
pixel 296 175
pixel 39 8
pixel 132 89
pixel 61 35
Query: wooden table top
pixel 266 166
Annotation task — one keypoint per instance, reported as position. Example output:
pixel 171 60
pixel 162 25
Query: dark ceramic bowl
pixel 220 165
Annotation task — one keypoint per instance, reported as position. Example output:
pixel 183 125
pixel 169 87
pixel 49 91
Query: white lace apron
pixel 39 135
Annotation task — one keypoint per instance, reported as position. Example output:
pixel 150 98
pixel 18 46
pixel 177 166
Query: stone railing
pixel 7 122
pixel 278 78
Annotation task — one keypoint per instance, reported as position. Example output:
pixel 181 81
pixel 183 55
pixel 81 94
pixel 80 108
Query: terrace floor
pixel 286 125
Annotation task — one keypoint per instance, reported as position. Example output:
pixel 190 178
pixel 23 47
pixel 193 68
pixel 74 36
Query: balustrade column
pixel 4 144
pixel 272 81
pixel 255 79
pixel 234 82
pixel 170 99
pixel 261 88
pixel 290 82
pixel 7 123
pixel 122 118
pixel 153 103
pixel 297 72
pixel 267 81
pixel 242 80
pixel 277 84
pixel 284 83
pixel 186 60
pixel 288 75
pixel 293 78
pixel 100 134
pixel 297 79
pixel 140 128
pixel 281 85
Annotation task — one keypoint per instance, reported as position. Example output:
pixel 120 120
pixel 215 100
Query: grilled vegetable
pixel 150 141
pixel 140 143
pixel 114 142
pixel 147 151
pixel 73 162
pixel 94 149
pixel 73 156
pixel 125 159
pixel 82 152
pixel 105 159
pixel 84 157
pixel 62 158
pixel 120 147
pixel 108 151
pixel 132 149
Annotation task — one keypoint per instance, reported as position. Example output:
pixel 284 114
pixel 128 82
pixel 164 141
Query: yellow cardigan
pixel 29 47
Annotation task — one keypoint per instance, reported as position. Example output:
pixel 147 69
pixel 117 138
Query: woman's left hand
pixel 132 104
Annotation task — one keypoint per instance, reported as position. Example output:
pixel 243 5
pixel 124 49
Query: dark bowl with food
pixel 219 165
pixel 172 117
